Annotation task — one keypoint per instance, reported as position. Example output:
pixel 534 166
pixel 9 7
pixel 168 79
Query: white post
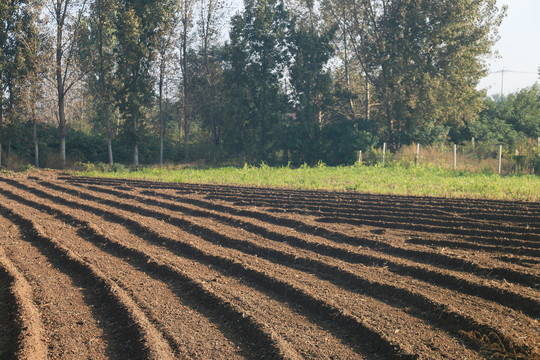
pixel 472 144
pixel 500 159
pixel 417 158
pixel 383 153
pixel 539 141
pixel 360 157
pixel 455 156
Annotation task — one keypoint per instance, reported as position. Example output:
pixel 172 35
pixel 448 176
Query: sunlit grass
pixel 394 179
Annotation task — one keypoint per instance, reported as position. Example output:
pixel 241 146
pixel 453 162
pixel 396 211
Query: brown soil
pixel 105 268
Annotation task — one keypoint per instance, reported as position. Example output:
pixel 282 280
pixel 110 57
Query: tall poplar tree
pixel 14 24
pixel 424 59
pixel 258 60
pixel 209 26
pixel 136 28
pixel 311 48
pixel 66 16
pixel 187 8
pixel 97 46
pixel 166 35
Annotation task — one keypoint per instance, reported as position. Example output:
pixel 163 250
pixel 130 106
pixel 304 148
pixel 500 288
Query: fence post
pixel 417 154
pixel 473 144
pixel 500 159
pixel 383 153
pixel 455 157
pixel 360 158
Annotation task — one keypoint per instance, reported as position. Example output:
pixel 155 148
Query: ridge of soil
pixel 129 269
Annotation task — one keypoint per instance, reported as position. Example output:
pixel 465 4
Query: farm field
pixel 127 269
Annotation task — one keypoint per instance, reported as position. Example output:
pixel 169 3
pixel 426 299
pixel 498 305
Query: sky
pixel 518 48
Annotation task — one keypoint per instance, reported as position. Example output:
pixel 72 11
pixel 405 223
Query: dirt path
pixel 201 271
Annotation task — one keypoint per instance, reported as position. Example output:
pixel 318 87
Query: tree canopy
pixel 293 82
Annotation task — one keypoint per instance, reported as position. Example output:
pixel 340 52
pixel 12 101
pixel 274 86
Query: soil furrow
pixel 387 212
pixel 420 277
pixel 446 205
pixel 9 329
pixel 153 297
pixel 347 281
pixel 131 330
pixel 523 278
pixel 506 245
pixel 341 277
pixel 261 344
pixel 352 330
pixel 402 224
pixel 20 324
pixel 468 245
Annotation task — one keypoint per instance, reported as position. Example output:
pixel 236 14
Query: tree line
pixel 284 82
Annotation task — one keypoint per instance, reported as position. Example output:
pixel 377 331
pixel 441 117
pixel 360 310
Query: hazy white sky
pixel 518 47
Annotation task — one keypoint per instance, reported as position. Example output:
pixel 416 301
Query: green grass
pixel 393 179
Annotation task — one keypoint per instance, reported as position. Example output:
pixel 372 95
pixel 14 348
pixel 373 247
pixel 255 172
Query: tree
pixel 424 59
pixel 311 86
pixel 209 26
pixel 12 56
pixel 66 16
pixel 340 14
pixel 258 60
pixel 522 111
pixel 136 28
pixel 36 51
pixel 97 45
pixel 166 35
pixel 187 8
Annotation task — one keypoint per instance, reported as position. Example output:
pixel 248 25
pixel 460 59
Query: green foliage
pixel 311 85
pixel 136 27
pixel 509 121
pixel 276 92
pixel 256 57
pixel 15 59
pixel 424 59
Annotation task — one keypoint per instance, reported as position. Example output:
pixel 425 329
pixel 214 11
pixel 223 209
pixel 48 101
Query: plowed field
pixel 124 269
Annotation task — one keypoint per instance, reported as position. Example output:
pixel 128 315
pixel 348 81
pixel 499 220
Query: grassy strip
pixel 394 179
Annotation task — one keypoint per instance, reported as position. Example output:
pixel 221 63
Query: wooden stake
pixel 360 158
pixel 383 153
pixel 417 158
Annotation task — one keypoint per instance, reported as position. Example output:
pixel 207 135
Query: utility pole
pixel 509 71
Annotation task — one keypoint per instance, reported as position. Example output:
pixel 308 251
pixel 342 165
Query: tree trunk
pixel 136 155
pixel 104 87
pixel 62 129
pixel 186 120
pixel 136 146
pixel 1 125
pixel 109 134
pixel 35 141
pixel 241 158
pixel 215 139
pixel 60 89
pixel 161 118
pixel 185 91
pixel 346 65
pixel 368 115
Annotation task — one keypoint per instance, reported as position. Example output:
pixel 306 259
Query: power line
pixel 502 71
